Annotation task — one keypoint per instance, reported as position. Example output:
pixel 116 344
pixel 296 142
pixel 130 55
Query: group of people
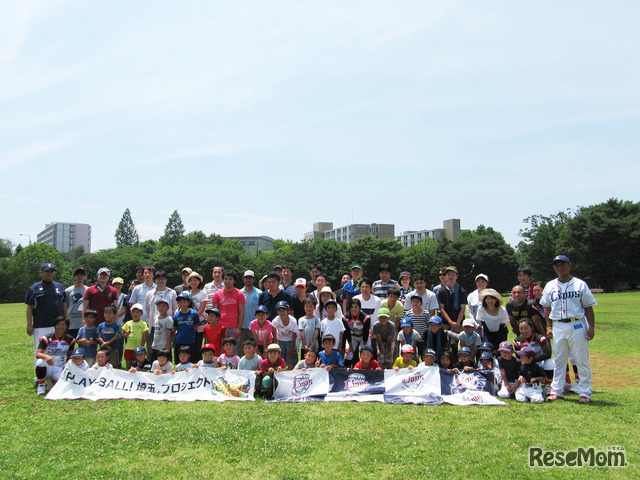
pixel 284 323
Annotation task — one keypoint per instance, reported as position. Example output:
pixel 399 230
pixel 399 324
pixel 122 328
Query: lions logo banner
pixel 420 385
pixel 356 385
pixel 473 388
pixel 196 384
pixel 301 385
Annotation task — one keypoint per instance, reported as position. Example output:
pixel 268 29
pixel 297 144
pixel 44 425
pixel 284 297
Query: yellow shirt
pixel 400 363
pixel 137 329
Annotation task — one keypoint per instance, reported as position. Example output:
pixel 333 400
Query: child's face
pixel 89 320
pixel 354 310
pixel 383 320
pixel 136 315
pixel 392 299
pixel 273 355
pixel 283 313
pixel 525 359
pixel 163 308
pixel 445 361
pixel 101 358
pixel 328 345
pixel 428 360
pixel 407 329
pixel 407 356
pixel 262 317
pixel 523 278
pixel 464 357
pixel 184 357
pixel 249 350
pixel 109 316
pixel 208 356
pixel 308 309
pixel 162 360
pixel 416 304
pixel 487 364
pixel 311 356
pixel 140 357
pixel 468 330
pixel 213 319
pixel 331 310
pixel 228 349
pixel 506 355
pixel 434 327
pixel 77 360
pixel 366 356
pixel 183 303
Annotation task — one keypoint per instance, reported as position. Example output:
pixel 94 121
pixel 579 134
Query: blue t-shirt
pixel 186 323
pixel 333 359
pixel 108 331
pixel 90 334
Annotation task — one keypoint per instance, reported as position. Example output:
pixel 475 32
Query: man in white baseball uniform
pixel 568 309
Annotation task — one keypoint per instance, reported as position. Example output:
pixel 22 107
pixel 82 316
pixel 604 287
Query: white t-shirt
pixel 332 327
pixel 285 332
pixel 370 307
pixel 493 322
pixel 160 333
pixel 429 300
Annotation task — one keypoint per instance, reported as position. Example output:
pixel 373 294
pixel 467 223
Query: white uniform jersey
pixel 57 348
pixel 567 299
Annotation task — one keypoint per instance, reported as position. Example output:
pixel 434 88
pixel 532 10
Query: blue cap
pixel 282 304
pixel 185 295
pixel 526 351
pixel 488 346
pixel 464 350
pixel 48 266
pixel 366 348
pixel 78 352
pixel 213 310
pixel 435 319
pixel 140 349
pixel 486 356
pixel 561 258
pixel 262 308
pixel 430 352
pixel 406 322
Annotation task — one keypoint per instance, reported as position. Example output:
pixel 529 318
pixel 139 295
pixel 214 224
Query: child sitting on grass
pixel 465 360
pixel 140 363
pixel 162 364
pixel 310 360
pixel 273 363
pixel 367 362
pixel 329 357
pixel 78 359
pixel 428 358
pixel 102 360
pixel 229 359
pixel 251 360
pixel 532 376
pixel 405 360
pixel 184 354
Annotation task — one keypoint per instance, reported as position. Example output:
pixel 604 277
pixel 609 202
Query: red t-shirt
pixel 373 365
pixel 99 299
pixel 214 335
pixel 228 302
pixel 265 365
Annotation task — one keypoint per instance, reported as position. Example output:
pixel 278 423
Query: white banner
pixel 301 385
pixel 420 385
pixel 196 384
pixel 471 397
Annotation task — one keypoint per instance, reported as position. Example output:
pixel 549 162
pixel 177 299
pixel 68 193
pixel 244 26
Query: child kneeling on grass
pixel 532 376
pixel 405 360
pixel 268 367
pixel 162 364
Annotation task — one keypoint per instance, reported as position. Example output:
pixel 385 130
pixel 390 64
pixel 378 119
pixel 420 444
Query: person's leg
pixel 561 355
pixel 579 347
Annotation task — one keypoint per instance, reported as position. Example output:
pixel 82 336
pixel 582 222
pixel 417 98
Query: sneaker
pixel 42 389
pixel 553 397
pixel 584 399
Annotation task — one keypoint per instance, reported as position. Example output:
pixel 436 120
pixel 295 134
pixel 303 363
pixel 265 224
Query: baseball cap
pixel 482 275
pixel 282 304
pixel 117 280
pixel 187 270
pixel 451 268
pixel 486 356
pixel 366 348
pixel 78 352
pixel 407 349
pixel 104 270
pixel 406 322
pixel 140 349
pixel 278 267
pixel 526 351
pixel 435 319
pixel 48 266
pixel 469 323
pixel 249 273
pixel 162 300
pixel 300 282
pixel 208 347
pixel 79 270
pixel 429 352
pixel 561 258
pixel 213 310
pixel 261 308
pixel 273 346
pixel 404 274
pixel 505 347
pixel 464 351
pixel 137 306
pixel 488 346
pixel 331 301
pixel 183 295
pixel 384 312
pixel 356 266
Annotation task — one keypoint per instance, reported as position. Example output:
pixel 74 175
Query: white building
pixel 64 237
pixel 450 231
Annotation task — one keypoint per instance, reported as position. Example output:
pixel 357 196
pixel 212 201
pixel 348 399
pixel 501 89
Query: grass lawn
pixel 136 439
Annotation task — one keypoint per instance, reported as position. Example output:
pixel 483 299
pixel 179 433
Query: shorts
pixel 129 355
pixel 53 371
pixel 285 346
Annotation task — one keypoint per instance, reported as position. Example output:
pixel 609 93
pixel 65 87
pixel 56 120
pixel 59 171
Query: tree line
pixel 602 241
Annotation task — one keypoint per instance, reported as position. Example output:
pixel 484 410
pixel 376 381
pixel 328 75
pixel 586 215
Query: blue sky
pixel 261 118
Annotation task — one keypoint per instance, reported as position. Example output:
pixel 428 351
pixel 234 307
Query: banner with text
pixel 420 385
pixel 301 385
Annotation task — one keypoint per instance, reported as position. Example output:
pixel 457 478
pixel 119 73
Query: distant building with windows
pixel 349 233
pixel 64 237
pixel 253 244
pixel 450 230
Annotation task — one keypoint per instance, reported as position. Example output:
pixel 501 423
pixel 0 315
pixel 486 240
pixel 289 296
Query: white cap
pixel 300 282
pixel 482 275
pixel 249 273
pixel 469 323
pixel 138 306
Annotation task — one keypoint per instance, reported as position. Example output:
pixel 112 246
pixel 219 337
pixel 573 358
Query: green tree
pixel 421 258
pixel 25 268
pixel 126 233
pixel 174 230
pixel 6 248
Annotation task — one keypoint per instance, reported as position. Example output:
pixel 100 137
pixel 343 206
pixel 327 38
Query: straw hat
pixel 490 292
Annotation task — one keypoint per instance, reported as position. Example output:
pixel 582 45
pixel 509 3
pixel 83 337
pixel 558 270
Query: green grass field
pixel 135 439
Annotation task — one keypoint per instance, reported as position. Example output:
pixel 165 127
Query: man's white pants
pixel 571 339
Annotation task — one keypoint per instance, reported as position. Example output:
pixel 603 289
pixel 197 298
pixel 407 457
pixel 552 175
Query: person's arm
pixel 514 324
pixel 30 320
pixel 85 306
pixel 203 307
pixel 591 319
pixel 446 317
pixel 40 354
pixel 463 306
pixel 145 336
pixel 547 312
pixel 65 309
pixel 302 339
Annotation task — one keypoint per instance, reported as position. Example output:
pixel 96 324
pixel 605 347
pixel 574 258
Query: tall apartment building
pixel 64 237
pixel 350 233
pixel 450 230
pixel 253 244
